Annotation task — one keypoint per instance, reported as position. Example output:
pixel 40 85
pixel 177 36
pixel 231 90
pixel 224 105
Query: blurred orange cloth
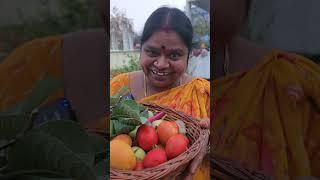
pixel 268 118
pixel 26 65
pixel 192 98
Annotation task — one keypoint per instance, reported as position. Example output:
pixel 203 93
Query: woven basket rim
pixel 224 168
pixel 172 165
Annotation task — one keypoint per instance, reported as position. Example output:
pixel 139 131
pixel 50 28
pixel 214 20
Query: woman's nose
pixel 162 63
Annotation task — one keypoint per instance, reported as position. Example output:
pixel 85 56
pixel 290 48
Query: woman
pixel 76 58
pixel 266 102
pixel 165 47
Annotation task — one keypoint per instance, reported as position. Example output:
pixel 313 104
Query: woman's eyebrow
pixel 151 47
pixel 158 49
pixel 175 50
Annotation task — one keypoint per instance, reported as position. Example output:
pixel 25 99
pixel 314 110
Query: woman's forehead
pixel 168 40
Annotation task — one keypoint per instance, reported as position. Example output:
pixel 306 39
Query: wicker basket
pixel 222 169
pixel 198 139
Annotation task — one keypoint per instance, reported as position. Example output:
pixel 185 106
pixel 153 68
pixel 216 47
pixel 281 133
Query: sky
pixel 140 10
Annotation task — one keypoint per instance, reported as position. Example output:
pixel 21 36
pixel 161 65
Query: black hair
pixel 169 18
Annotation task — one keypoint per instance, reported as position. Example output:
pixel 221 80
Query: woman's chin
pixel 160 84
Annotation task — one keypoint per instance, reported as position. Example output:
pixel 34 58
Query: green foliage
pixel 11 125
pixel 201 23
pixel 126 114
pixel 201 29
pixel 133 65
pixel 56 149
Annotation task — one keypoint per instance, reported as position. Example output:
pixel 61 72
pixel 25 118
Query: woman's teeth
pixel 159 73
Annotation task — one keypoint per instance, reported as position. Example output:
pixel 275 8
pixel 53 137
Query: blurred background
pixel 21 21
pixel 288 25
pixel 126 25
pixel 278 24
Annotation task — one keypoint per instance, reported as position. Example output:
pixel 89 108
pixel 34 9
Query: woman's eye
pixel 174 56
pixel 151 53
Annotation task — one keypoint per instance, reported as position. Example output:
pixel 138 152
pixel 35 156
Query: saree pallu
pixel 27 64
pixel 192 98
pixel 268 118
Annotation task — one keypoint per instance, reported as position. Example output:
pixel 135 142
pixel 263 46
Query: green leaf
pixel 121 128
pixel 129 121
pixel 38 150
pixel 123 125
pixel 144 113
pixel 112 130
pixel 128 108
pixel 143 120
pixel 101 168
pixel 41 91
pixel 99 143
pixel 73 136
pixel 150 114
pixel 12 125
pixel 115 99
pixel 36 174
pixel 126 115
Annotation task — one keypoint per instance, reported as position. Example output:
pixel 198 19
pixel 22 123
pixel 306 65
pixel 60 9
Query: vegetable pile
pixel 141 138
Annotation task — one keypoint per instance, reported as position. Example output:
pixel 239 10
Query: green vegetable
pixel 55 150
pixel 126 114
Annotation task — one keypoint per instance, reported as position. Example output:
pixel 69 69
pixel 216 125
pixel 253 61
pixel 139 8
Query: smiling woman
pixel 164 59
pixel 166 44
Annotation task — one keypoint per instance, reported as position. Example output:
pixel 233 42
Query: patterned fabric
pixel 269 117
pixel 192 98
pixel 26 65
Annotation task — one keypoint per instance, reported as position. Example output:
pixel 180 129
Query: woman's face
pixel 228 17
pixel 164 58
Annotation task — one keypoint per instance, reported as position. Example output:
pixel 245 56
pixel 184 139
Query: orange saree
pixel 192 98
pixel 26 65
pixel 268 118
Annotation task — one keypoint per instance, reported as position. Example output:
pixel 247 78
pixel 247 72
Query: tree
pixel 201 22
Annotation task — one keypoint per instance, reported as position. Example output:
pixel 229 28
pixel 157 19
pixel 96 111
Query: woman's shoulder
pixel 191 79
pixel 42 43
pixel 288 59
pixel 121 76
pixel 199 83
pixel 120 80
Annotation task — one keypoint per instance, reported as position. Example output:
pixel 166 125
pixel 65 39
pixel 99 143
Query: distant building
pixel 123 39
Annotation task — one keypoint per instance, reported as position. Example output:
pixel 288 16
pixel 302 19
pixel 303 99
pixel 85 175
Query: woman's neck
pixel 154 90
pixel 243 55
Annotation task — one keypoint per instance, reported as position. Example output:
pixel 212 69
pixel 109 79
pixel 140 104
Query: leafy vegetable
pixel 55 150
pixel 126 114
pixel 11 125
pixel 40 151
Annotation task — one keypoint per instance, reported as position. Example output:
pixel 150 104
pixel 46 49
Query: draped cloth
pixel 268 118
pixel 192 98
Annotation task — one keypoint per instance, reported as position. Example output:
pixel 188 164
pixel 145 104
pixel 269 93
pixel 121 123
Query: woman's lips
pixel 159 75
